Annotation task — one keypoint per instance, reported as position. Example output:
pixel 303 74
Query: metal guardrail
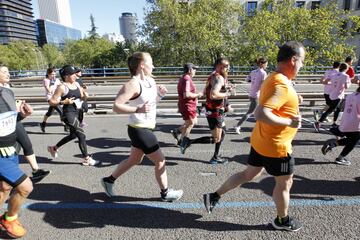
pixel 202 70
pixel 163 79
pixel 310 99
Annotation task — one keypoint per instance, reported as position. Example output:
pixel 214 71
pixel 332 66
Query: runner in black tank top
pixel 71 93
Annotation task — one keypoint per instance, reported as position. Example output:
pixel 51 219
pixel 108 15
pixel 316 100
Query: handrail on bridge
pixel 202 70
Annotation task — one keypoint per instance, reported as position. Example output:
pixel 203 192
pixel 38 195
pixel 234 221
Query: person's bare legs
pixel 32 161
pixel 281 194
pixel 188 125
pixel 135 157
pixel 17 198
pixel 158 159
pixel 4 192
pixel 239 178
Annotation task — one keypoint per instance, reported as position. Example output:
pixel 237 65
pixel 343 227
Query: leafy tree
pixel 22 55
pixel 320 30
pixel 198 32
pixel 53 56
pixel 88 52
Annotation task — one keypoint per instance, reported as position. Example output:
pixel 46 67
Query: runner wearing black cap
pixel 71 94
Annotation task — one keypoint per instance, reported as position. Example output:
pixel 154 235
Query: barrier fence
pixel 202 70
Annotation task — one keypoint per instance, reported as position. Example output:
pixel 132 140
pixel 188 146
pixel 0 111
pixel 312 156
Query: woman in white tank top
pixel 138 97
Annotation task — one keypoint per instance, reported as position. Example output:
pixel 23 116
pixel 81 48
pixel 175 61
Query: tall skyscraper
pixel 57 11
pixel 16 21
pixel 128 25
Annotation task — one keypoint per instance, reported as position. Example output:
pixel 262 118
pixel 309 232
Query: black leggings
pixel 23 139
pixel 332 107
pixel 349 141
pixel 51 110
pixel 71 120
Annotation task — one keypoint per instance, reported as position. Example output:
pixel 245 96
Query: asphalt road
pixel 70 203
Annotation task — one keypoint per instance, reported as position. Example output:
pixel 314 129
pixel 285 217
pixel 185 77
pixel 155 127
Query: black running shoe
pixel 175 133
pixel 39 175
pixel 290 225
pixel 210 201
pixel 328 146
pixel 42 126
pixel 316 126
pixel 184 144
pixel 218 160
pixel 342 161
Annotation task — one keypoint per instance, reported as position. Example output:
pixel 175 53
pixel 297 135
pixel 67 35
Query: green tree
pixel 320 30
pixel 22 55
pixel 88 52
pixel 52 55
pixel 198 32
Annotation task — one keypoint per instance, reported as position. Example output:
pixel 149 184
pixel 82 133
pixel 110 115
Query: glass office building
pixel 16 21
pixel 54 33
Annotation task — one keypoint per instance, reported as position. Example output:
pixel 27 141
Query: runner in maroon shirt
pixel 187 105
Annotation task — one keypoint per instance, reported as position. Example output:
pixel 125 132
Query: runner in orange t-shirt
pixel 278 119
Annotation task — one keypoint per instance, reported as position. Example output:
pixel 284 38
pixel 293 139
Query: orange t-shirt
pixel 278 94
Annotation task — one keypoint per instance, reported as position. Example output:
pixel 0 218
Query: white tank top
pixel 148 93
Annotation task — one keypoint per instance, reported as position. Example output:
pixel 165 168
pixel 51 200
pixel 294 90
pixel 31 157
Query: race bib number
pixel 7 123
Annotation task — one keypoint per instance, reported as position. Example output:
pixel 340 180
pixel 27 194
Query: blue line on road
pixel 180 205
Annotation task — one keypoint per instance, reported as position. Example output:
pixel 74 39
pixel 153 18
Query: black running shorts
pixel 274 166
pixel 144 139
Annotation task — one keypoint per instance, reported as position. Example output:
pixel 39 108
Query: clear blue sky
pixel 106 13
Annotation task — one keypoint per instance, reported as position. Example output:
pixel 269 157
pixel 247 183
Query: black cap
pixel 68 70
pixel 189 66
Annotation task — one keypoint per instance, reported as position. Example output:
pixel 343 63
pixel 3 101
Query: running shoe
pixel 218 160
pixel 342 161
pixel 90 162
pixel 291 225
pixel 175 133
pixel 108 187
pixel 13 228
pixel 316 126
pixel 53 151
pixel 42 126
pixel 328 146
pixel 184 144
pixel 210 201
pixel 172 195
pixel 237 129
pixel 316 115
pixel 39 175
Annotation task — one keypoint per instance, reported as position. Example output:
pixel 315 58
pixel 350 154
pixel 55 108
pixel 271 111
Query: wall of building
pixel 16 21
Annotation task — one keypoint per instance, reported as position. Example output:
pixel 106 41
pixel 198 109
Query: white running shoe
pixel 172 195
pixel 53 151
pixel 237 129
pixel 90 162
pixel 108 187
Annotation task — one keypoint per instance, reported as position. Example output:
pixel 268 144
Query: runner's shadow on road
pixel 306 142
pixel 308 161
pixel 108 143
pixel 242 159
pixel 134 216
pixel 239 140
pixel 304 186
pixel 110 158
pixel 39 159
pixel 78 208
